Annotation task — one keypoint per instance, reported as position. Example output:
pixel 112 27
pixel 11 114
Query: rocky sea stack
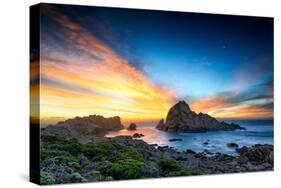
pixel 181 118
pixel 87 128
pixel 132 127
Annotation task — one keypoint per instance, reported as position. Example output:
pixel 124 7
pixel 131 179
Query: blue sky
pixel 198 56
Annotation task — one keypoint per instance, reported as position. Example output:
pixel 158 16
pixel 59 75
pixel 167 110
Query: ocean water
pixel 257 132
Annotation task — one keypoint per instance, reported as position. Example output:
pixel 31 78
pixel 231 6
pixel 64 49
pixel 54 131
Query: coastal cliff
pixel 181 118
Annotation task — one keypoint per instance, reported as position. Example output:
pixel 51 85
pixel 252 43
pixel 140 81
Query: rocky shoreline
pixel 68 158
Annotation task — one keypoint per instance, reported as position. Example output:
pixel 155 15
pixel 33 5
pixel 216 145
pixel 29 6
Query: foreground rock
pixel 180 118
pixel 132 127
pixel 138 135
pixel 257 153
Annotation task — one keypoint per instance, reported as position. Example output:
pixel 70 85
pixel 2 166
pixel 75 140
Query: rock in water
pixel 132 127
pixel 175 139
pixel 232 145
pixel 138 135
pixel 161 125
pixel 181 118
pixel 91 125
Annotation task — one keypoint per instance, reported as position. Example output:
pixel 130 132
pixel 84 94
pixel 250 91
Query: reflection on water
pixel 258 132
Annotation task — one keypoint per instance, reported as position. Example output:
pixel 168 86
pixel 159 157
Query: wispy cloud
pixel 254 102
pixel 96 79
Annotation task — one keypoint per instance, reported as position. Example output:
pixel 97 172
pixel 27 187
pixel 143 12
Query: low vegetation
pixel 114 161
pixel 172 168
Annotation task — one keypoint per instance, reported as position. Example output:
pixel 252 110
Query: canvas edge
pixel 34 124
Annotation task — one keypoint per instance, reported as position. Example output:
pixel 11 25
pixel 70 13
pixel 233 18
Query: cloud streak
pixel 96 81
pixel 255 103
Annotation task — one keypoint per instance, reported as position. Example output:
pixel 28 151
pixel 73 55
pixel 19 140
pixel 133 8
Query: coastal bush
pixel 124 169
pixel 50 153
pixel 66 159
pixel 100 150
pixel 170 167
pixel 72 146
pixel 127 154
pixel 109 150
pixel 117 161
pixel 52 139
pixel 46 179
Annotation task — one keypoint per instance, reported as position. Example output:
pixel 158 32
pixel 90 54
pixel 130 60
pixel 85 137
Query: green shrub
pixel 172 168
pixel 127 169
pixel 46 179
pixel 127 154
pixel 102 150
pixel 169 165
pixel 52 139
pixel 50 153
pixel 66 159
pixel 72 146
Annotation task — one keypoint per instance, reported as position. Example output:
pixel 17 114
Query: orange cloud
pixel 246 112
pixel 220 107
pixel 209 104
pixel 100 82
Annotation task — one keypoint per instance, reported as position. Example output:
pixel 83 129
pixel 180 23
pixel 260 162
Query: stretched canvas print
pixel 120 94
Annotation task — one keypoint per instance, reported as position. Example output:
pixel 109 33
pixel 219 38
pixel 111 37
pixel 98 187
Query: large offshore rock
pixel 181 118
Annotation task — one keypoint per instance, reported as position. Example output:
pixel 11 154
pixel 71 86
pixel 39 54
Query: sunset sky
pixel 137 64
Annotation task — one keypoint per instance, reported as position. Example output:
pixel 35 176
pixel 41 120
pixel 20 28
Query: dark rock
pixel 132 127
pixel 180 118
pixel 208 152
pixel 175 139
pixel 224 157
pixel 190 151
pixel 206 143
pixel 154 145
pixel 242 159
pixel 161 125
pixel 257 153
pixel 163 148
pixel 138 135
pixel 232 126
pixel 200 154
pixel 232 145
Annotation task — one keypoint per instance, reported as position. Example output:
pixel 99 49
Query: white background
pixel 14 100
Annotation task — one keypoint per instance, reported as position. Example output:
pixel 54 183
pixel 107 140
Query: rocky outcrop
pixel 132 127
pixel 232 145
pixel 86 128
pixel 181 118
pixel 161 125
pixel 138 135
pixel 257 153
pixel 110 123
